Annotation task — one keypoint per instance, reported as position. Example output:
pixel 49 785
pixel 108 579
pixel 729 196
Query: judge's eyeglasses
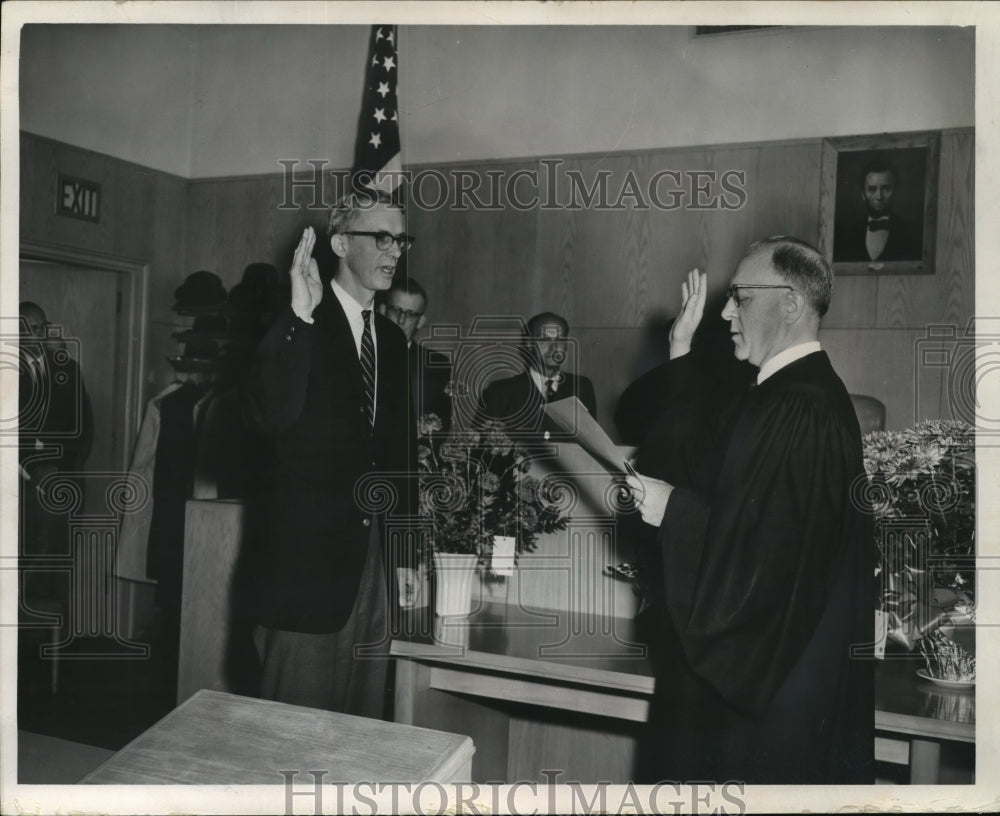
pixel 733 292
pixel 384 240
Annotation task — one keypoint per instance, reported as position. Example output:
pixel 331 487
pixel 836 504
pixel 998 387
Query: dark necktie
pixel 878 224
pixel 550 392
pixel 368 367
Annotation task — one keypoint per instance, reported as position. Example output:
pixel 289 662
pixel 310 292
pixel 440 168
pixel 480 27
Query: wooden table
pixel 552 690
pixel 922 713
pixel 216 738
pixel 567 692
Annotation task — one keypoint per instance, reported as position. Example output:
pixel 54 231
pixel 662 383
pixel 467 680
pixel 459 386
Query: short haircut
pixel 878 166
pixel 408 286
pixel 344 213
pixel 535 323
pixel 803 266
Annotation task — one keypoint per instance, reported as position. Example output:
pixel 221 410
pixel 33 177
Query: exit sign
pixel 77 198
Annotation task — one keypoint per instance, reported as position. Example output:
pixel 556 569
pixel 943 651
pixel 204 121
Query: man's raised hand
pixel 693 293
pixel 307 289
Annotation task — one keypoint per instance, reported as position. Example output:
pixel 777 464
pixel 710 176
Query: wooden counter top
pixel 215 738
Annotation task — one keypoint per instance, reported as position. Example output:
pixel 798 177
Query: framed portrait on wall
pixel 878 203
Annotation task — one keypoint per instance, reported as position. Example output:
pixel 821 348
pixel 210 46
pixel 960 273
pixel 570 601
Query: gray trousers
pixel 343 671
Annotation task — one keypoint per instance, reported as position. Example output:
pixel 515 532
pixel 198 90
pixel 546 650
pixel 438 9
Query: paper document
pixel 571 416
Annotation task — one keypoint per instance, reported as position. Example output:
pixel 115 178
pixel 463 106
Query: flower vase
pixel 453 574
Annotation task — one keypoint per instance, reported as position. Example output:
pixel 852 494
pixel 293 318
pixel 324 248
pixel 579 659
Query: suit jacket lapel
pixel 331 316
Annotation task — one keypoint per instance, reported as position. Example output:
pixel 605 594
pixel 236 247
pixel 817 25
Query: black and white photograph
pixel 498 407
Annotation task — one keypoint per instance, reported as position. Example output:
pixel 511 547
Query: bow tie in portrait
pixel 877 224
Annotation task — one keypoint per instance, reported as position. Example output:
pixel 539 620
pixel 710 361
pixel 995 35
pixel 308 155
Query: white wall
pixel 121 90
pixel 584 89
pixel 203 101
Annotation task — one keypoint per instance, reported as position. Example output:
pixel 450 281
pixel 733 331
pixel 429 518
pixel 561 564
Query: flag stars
pixel 383 89
pixel 391 37
pixel 375 61
pixel 393 117
pixel 375 141
pixel 389 63
pixel 380 115
pixel 379 35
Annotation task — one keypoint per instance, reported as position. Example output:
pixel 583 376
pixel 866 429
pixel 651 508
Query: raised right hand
pixel 693 293
pixel 307 289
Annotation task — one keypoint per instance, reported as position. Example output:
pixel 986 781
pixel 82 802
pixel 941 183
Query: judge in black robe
pixel 766 557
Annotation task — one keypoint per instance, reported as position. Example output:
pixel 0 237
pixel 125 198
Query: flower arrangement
pixel 922 489
pixel 475 485
pixel 947 660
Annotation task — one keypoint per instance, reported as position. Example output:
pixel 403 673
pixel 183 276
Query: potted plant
pixel 474 488
pixel 922 487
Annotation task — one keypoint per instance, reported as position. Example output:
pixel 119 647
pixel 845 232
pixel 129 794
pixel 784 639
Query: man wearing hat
pixel 330 391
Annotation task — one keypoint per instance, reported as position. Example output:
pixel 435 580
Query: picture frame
pixel 878 203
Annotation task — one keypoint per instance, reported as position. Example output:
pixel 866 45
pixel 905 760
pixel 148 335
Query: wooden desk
pixel 924 714
pixel 216 738
pixel 551 690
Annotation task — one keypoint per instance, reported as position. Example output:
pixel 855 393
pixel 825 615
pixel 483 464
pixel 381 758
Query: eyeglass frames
pixel 404 314
pixel 384 240
pixel 733 292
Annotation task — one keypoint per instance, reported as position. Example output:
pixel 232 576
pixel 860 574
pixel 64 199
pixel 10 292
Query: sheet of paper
pixel 572 417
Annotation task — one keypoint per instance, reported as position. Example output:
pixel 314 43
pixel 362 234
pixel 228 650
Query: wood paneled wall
pixel 143 219
pixel 613 273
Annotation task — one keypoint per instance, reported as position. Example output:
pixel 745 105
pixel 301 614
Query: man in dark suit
pixel 405 303
pixel 329 390
pixel 881 235
pixel 518 401
pixel 56 431
pixel 766 578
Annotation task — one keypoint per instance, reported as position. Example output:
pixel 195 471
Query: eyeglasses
pixel 384 240
pixel 733 292
pixel 402 314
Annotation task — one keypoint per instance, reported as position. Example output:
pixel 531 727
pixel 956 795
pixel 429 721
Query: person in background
pixel 329 389
pixel 55 436
pixel 518 401
pixel 766 559
pixel 405 303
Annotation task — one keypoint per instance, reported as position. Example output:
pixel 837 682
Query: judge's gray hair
pixel 803 266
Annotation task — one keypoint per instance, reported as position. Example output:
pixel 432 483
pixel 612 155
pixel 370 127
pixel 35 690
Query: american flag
pixel 378 147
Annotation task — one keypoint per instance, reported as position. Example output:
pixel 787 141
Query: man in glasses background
pixel 405 303
pixel 329 391
pixel 766 569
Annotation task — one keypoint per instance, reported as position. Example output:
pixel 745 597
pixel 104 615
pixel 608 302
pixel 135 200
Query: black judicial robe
pixel 768 578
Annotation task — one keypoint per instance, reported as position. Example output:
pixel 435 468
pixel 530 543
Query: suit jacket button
pixel 366 522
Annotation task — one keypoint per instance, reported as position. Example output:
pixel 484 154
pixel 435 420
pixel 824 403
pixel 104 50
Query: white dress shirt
pixel 783 358
pixel 540 379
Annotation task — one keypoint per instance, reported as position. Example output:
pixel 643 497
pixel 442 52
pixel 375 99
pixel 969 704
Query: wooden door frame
pixel 134 312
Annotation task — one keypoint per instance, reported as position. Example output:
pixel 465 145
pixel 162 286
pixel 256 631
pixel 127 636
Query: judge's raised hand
pixel 693 292
pixel 307 289
pixel 651 496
